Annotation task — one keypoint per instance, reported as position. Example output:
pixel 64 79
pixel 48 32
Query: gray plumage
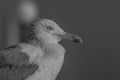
pixel 44 55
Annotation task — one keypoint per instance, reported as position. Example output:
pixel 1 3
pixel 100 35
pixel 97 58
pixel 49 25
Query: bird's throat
pixel 53 50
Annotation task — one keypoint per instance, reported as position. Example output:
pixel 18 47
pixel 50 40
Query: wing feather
pixel 14 64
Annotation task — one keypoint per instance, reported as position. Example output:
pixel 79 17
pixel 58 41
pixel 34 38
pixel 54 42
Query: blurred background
pixel 96 21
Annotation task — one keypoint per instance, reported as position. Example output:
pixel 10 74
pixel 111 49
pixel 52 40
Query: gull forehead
pixel 49 25
pixel 48 22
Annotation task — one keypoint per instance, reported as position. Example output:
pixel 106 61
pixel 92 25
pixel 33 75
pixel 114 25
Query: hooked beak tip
pixel 78 40
pixel 73 37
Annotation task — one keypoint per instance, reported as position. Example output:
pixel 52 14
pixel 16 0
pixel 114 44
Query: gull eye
pixel 49 28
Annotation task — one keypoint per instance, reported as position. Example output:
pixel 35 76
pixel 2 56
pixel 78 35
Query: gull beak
pixel 72 37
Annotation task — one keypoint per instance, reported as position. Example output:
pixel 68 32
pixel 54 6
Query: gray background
pixel 97 22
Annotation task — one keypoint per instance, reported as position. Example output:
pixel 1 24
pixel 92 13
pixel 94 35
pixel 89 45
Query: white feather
pixel 50 60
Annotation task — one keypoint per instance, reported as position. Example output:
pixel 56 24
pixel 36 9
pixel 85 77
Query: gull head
pixel 49 31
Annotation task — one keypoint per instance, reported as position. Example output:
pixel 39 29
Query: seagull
pixel 44 50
